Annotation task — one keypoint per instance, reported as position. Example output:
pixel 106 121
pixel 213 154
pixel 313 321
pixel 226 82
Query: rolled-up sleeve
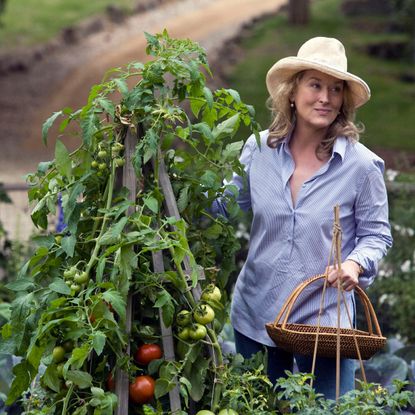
pixel 373 234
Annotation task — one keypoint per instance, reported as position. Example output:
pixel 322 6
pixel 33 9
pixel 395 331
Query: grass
pixel 29 22
pixel 389 115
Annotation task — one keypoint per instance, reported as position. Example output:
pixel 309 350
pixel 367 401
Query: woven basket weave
pixel 301 338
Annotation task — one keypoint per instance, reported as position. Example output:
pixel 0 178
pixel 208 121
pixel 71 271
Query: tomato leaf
pixel 116 300
pixel 47 124
pixel 80 378
pixel 204 129
pixel 68 244
pixel 208 96
pixel 111 236
pixel 183 199
pixel 20 285
pixel 51 379
pixel 69 203
pixel 152 204
pixel 163 386
pixel 59 286
pixel 98 341
pixel 20 383
pixel 89 123
pixel 79 355
pixel 165 302
pixel 62 159
pixel 226 128
pixel 196 377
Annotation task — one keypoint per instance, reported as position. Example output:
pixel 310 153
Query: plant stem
pixel 67 398
pixel 94 256
pixel 218 382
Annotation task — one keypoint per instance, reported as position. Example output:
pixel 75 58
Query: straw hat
pixel 323 54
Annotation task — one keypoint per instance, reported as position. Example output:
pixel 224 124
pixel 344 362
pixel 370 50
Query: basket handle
pixel 367 305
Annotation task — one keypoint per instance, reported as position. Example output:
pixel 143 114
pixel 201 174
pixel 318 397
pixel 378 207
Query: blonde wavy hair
pixel 284 117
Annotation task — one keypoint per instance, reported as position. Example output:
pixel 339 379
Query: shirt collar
pixel 340 146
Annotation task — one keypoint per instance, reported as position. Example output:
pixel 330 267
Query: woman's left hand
pixel 348 275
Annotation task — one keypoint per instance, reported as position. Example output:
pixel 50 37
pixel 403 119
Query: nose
pixel 324 95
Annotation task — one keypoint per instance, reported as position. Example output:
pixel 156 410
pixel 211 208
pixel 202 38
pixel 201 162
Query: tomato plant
pixel 76 286
pixel 147 353
pixel 142 389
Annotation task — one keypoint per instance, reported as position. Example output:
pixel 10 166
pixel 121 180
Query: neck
pixel 307 138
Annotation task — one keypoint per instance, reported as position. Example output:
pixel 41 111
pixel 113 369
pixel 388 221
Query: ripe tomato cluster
pixel 142 389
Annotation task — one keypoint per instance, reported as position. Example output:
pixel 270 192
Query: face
pixel 318 99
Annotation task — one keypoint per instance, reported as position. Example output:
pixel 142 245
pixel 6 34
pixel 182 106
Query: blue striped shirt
pixel 289 244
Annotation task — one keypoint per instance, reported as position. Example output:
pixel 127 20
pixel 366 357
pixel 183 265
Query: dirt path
pixel 64 77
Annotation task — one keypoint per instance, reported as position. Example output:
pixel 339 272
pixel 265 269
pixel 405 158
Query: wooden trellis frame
pixel 129 180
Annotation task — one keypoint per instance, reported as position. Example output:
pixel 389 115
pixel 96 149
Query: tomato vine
pixel 75 285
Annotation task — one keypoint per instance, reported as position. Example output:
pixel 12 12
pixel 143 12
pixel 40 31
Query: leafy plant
pixel 297 395
pixel 70 308
pixel 391 293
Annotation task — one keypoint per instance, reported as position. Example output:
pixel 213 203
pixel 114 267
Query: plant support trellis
pixel 124 267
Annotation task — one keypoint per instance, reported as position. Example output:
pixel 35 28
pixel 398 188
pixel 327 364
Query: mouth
pixel 323 111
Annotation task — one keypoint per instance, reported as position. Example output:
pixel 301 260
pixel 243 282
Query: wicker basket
pixel 301 338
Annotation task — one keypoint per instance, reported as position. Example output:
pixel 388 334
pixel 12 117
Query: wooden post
pixel 172 210
pixel 167 339
pixel 129 180
pixel 299 12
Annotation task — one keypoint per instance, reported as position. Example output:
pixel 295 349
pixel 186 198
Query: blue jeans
pixel 279 360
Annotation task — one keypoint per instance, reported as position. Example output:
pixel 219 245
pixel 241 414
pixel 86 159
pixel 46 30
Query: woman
pixel 308 161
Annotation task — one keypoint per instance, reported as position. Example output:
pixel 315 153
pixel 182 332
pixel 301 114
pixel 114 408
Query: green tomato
pixel 197 331
pixel 94 164
pixel 68 345
pixel 211 293
pixel 184 318
pixel 227 412
pixel 205 412
pixel 81 278
pixel 59 369
pixel 184 333
pixel 75 288
pixel 102 166
pixel 204 314
pixel 58 354
pixel 119 162
pixel 69 273
pixel 102 154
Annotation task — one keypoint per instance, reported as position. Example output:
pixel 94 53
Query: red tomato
pixel 147 352
pixel 110 382
pixel 142 390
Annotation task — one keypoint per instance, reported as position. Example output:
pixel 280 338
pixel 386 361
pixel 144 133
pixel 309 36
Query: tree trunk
pixel 299 11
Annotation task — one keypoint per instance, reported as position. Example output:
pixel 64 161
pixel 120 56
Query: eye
pixel 315 85
pixel 337 88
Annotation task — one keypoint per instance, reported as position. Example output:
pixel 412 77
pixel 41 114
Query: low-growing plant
pixel 295 393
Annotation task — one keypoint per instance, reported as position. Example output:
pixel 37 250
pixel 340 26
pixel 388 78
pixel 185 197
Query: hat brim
pixel 285 68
